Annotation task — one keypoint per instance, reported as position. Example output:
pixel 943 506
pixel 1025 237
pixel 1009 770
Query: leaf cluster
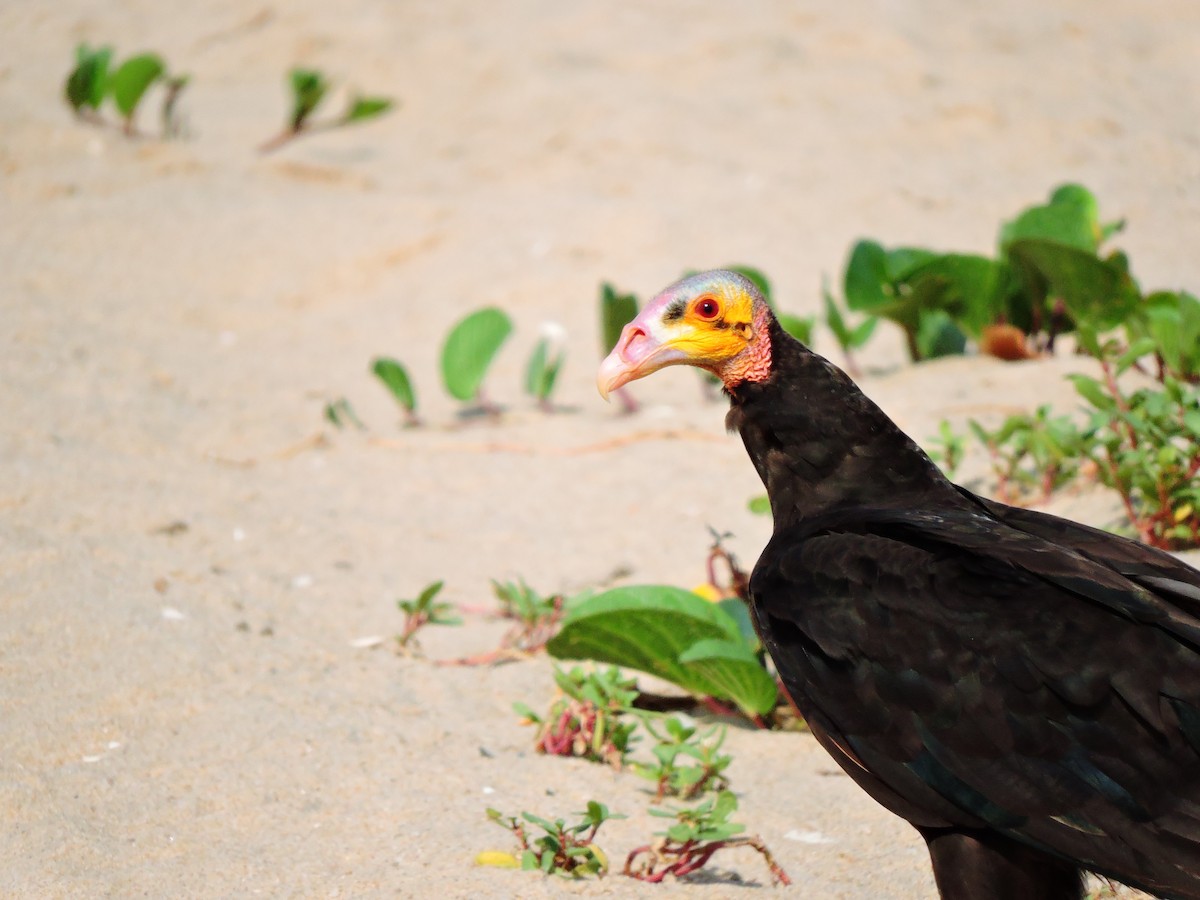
pixel 1146 446
pixel 1142 443
pixel 309 88
pixel 559 849
pixel 672 634
pixel 1047 278
pixel 468 352
pixel 425 610
pixel 591 718
pixel 698 832
pixel 93 80
pixel 536 617
pixel 1032 454
pixel 687 762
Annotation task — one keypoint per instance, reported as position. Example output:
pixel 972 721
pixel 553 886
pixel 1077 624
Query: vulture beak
pixel 640 350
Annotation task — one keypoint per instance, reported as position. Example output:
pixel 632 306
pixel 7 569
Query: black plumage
pixel 1023 689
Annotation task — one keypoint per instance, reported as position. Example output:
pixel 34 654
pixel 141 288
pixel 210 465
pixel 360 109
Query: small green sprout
pixel 947 449
pixel 687 763
pixel 395 378
pixel 541 373
pixel 309 88
pixel 537 618
pixel 422 611
pixel 688 844
pixel 339 413
pixel 589 717
pixel 616 311
pixel 88 82
pixel 561 849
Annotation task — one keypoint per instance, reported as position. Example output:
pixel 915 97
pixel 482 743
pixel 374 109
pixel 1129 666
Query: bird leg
pixel 982 865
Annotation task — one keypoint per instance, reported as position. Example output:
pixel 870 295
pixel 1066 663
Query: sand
pixel 191 556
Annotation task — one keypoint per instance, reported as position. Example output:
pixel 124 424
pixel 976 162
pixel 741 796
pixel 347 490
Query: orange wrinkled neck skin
pixel 753 363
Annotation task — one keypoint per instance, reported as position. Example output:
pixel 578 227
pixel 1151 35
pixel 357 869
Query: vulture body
pixel 1023 689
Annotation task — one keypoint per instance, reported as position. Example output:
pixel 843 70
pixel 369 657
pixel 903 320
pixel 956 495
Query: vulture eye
pixel 707 308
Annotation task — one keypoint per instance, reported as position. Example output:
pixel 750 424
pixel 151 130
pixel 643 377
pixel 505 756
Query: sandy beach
pixel 194 561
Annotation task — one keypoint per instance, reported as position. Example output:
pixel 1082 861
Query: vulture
pixel 1023 689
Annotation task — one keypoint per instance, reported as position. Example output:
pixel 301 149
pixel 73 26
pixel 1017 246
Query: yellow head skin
pixel 715 320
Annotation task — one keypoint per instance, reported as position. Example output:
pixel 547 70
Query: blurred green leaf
pixel 542 370
pixel 799 327
pixel 938 335
pixel 132 78
pixel 367 108
pixel 88 81
pixel 470 349
pixel 1070 217
pixel 395 378
pixel 1098 293
pixel 616 311
pixel 308 89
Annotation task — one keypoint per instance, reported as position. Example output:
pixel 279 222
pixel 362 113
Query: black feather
pixel 1024 689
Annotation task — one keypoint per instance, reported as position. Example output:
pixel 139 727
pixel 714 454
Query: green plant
pixel 1032 454
pixel 616 311
pixel 93 79
pixel 561 849
pixel 672 634
pixel 589 718
pixel 688 844
pixel 1167 325
pixel 1146 446
pixel 87 83
pixel 1047 278
pixel 541 372
pixel 848 338
pixel 309 88
pixel 468 353
pixel 395 378
pixel 537 617
pixel 424 610
pixel 687 762
pixel 948 448
pixel 339 412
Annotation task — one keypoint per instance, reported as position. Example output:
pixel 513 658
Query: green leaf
pixel 760 505
pixel 616 311
pixel 1099 294
pixel 470 348
pixel 88 81
pixel 648 628
pixel 1093 392
pixel 867 284
pixel 429 593
pixel 799 327
pixel 968 287
pixel 736 670
pixel 366 108
pixel 937 335
pixel 308 89
pixel 1070 218
pixel 738 610
pixel 542 371
pixel 395 378
pixel 129 83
